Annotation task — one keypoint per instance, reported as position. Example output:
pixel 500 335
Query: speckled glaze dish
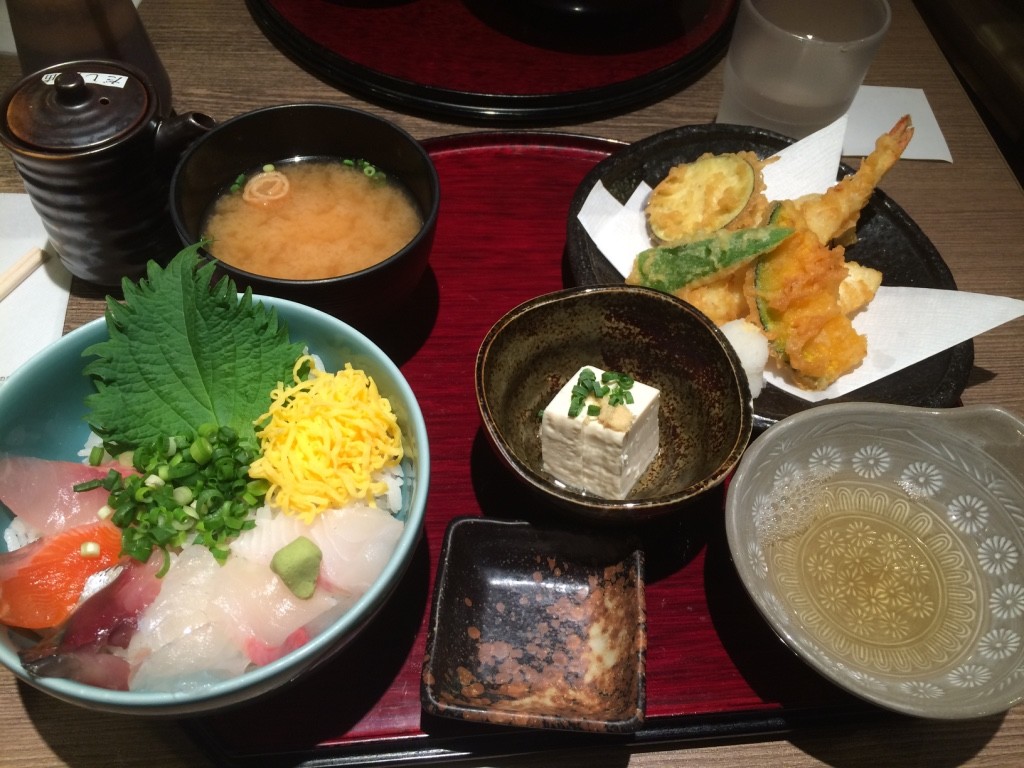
pixel 888 240
pixel 705 414
pixel 885 545
pixel 537 628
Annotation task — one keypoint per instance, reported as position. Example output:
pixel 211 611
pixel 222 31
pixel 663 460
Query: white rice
pixel 18 534
pixel 394 478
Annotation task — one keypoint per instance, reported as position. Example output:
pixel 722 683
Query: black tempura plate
pixel 888 240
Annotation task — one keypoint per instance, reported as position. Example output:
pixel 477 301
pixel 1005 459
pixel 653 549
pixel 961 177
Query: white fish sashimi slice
pixel 243 605
pixel 206 654
pixel 357 543
pixel 272 533
pixel 260 606
pixel 178 645
pixel 182 606
pixel 211 621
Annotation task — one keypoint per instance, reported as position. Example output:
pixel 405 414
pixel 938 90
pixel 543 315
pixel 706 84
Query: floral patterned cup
pixel 885 545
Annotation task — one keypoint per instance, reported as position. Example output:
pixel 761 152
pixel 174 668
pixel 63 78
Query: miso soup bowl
pixel 296 131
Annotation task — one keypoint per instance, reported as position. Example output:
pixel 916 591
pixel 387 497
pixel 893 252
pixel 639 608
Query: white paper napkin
pixel 32 315
pixel 876 109
pixel 935 319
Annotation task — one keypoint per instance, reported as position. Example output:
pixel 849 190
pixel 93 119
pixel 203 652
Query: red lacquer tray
pixel 714 669
pixel 501 62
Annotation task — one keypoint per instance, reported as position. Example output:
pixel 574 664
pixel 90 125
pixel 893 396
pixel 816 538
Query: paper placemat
pixel 875 109
pixel 32 315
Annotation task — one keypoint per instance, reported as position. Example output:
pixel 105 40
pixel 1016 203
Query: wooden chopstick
pixel 24 267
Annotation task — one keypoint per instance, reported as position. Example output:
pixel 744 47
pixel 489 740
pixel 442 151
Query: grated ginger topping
pixel 324 439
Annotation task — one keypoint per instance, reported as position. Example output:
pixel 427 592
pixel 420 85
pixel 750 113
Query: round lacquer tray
pixel 500 62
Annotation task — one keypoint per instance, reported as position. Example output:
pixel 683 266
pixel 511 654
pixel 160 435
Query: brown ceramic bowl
pixel 290 131
pixel 705 417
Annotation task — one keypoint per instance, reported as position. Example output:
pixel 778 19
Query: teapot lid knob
pixel 71 90
pixel 76 106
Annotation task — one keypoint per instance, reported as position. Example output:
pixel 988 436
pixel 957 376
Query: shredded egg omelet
pixel 323 441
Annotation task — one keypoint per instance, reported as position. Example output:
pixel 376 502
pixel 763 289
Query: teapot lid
pixel 77 105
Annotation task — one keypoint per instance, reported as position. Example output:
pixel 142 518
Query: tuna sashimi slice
pixel 262 654
pixel 40 492
pixel 111 616
pixel 86 666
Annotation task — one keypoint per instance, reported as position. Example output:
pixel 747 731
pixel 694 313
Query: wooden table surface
pixel 972 210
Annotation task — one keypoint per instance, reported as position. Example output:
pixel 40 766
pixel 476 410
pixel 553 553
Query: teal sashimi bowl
pixel 42 415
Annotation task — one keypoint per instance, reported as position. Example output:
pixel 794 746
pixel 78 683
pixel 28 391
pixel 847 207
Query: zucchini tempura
pixel 712 193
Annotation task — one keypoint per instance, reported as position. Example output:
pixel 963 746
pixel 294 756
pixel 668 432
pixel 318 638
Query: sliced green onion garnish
pixel 90 549
pixel 173 497
pixel 96 455
pixel 613 386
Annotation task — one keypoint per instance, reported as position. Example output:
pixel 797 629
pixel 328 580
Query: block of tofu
pixel 601 455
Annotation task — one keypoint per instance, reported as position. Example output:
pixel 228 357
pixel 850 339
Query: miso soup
pixel 311 219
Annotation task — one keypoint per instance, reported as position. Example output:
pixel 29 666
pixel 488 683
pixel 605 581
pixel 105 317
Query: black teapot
pixel 96 157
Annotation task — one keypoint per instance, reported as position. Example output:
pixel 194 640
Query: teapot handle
pixel 174 134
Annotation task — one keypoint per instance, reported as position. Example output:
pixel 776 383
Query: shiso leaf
pixel 183 353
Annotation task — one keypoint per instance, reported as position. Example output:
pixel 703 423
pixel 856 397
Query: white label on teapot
pixel 97 78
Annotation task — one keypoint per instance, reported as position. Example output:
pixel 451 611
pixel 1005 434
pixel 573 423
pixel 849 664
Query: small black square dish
pixel 537 628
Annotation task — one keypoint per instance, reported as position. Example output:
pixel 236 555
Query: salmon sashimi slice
pixel 41 492
pixel 42 582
